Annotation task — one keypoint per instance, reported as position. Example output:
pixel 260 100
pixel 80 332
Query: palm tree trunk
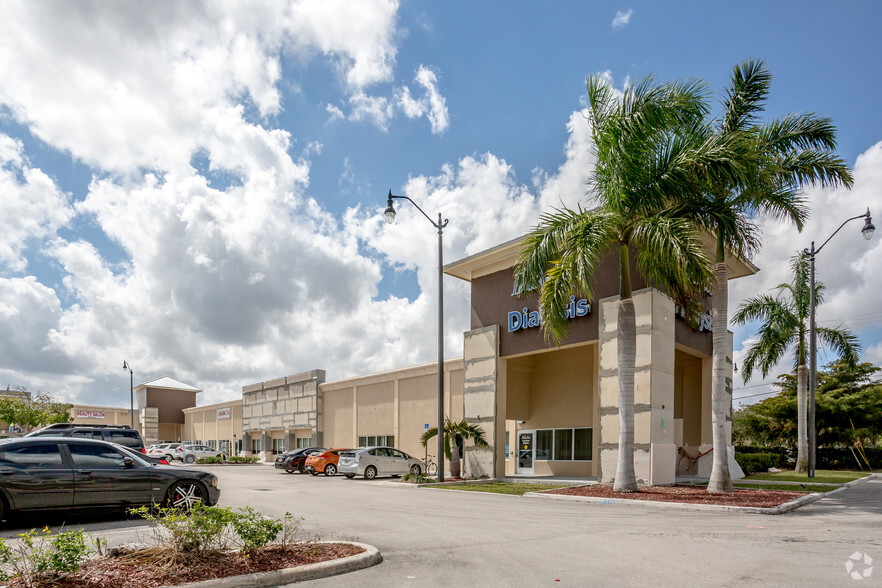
pixel 801 425
pixel 721 398
pixel 626 478
pixel 455 463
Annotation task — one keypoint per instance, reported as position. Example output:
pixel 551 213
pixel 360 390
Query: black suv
pixel 293 461
pixel 122 434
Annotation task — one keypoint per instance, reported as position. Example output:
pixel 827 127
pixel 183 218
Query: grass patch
pixel 828 476
pixel 517 489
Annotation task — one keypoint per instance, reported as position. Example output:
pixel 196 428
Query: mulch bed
pixel 687 495
pixel 111 572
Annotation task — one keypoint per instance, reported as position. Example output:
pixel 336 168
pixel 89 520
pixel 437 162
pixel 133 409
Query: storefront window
pixel 257 445
pixel 544 439
pixel 278 445
pixel 304 442
pixel 373 440
pixel 582 445
pixel 563 444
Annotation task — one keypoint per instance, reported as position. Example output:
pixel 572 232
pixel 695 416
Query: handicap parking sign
pixel 427 426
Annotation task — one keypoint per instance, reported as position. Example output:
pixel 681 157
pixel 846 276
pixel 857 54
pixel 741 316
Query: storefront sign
pixel 705 322
pixel 89 414
pixel 527 319
pixel 223 413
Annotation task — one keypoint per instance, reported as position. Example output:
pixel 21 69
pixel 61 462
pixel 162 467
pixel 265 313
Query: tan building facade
pixel 544 409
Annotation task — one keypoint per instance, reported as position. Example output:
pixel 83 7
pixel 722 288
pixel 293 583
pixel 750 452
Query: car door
pixel 35 476
pixel 102 477
pixel 399 462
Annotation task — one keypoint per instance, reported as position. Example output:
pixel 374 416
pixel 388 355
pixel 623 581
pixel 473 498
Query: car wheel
pixel 222 456
pixel 350 476
pixel 301 468
pixel 189 458
pixel 169 457
pixel 330 470
pixel 313 472
pixel 415 470
pixel 370 473
pixel 184 495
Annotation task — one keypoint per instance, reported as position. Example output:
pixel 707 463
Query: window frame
pixel 553 444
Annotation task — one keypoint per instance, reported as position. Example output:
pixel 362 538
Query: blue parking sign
pixel 427 426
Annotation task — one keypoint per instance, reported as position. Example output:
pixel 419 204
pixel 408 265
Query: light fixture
pixel 867 232
pixel 868 229
pixel 389 213
pixel 127 366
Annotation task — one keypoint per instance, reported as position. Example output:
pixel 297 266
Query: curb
pixel 369 557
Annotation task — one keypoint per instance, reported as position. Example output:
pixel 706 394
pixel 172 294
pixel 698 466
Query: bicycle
pixel 429 466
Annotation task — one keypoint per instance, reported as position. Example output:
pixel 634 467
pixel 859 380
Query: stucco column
pixel 479 400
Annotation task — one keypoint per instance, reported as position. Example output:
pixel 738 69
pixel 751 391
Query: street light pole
pixel 127 366
pixel 390 218
pixel 867 232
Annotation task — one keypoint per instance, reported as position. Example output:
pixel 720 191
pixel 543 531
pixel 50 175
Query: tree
pixel 778 156
pixel 784 327
pixel 646 159
pixel 849 410
pixel 29 410
pixel 451 429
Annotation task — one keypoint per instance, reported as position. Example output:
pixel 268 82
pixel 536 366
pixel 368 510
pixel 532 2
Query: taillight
pixel 163 462
pixel 144 451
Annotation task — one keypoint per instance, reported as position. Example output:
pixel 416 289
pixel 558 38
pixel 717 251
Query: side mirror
pixel 128 462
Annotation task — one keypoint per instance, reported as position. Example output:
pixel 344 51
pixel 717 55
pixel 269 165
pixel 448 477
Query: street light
pixel 127 366
pixel 390 218
pixel 867 232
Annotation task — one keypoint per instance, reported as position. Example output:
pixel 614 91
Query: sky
pixel 197 188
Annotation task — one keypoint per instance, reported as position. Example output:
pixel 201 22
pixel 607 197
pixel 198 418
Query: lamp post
pixel 867 232
pixel 127 366
pixel 390 218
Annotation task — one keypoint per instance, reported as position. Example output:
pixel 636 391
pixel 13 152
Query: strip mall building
pixel 545 410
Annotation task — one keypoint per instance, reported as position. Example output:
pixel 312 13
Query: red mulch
pixel 110 572
pixel 687 494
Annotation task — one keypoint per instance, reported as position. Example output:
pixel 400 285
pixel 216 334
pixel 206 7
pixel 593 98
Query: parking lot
pixel 442 537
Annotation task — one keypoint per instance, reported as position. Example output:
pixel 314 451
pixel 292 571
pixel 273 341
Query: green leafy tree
pixel 462 428
pixel 777 158
pixel 848 405
pixel 647 156
pixel 29 410
pixel 784 329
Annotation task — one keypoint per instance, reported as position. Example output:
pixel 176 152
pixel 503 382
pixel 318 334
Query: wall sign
pixel 705 322
pixel 223 413
pixel 527 319
pixel 90 414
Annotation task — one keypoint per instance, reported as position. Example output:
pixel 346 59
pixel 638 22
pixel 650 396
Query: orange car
pixel 325 461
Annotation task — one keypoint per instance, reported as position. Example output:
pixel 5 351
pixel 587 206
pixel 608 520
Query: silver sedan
pixel 371 462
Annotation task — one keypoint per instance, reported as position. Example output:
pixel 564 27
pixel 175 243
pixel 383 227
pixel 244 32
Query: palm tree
pixel 643 164
pixel 780 156
pixel 783 328
pixel 451 429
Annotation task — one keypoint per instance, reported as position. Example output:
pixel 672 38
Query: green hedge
pixel 248 459
pixel 757 462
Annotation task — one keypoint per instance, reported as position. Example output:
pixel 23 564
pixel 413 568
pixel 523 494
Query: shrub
pixel 757 462
pixel 419 479
pixel 201 530
pixel 209 460
pixel 39 557
pixel 254 530
pixel 237 459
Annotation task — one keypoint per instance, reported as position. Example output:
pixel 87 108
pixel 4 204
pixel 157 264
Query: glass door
pixel 526 448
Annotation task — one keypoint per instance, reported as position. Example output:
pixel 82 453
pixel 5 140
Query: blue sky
pixel 197 188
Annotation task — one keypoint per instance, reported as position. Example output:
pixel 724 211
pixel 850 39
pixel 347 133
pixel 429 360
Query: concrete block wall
pixel 287 403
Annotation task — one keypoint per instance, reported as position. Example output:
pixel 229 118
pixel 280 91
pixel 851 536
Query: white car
pixel 371 462
pixel 165 451
pixel 190 453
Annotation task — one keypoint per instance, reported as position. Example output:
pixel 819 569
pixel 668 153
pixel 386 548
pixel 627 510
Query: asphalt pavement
pixel 435 537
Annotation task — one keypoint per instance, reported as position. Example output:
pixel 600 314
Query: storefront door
pixel 526 447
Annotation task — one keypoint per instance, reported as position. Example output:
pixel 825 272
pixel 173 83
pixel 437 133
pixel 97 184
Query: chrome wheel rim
pixel 185 496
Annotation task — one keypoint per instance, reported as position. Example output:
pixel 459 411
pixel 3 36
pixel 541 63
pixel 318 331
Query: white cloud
pixel 32 208
pixel 622 18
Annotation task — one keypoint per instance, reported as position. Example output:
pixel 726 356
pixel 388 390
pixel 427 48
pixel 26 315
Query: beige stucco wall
pixel 113 415
pixel 376 409
pixel 339 417
pixel 201 423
